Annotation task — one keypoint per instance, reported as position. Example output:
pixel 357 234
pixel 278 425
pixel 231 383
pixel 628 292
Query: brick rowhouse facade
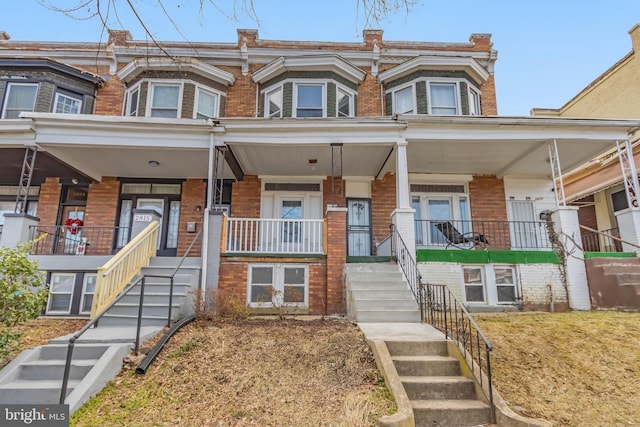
pixel 227 71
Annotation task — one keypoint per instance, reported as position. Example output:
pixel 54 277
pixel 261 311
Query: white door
pixel 156 205
pixel 522 224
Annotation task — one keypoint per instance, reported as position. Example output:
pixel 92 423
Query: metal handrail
pixel 407 262
pixel 125 291
pixel 609 236
pixel 164 276
pixel 443 311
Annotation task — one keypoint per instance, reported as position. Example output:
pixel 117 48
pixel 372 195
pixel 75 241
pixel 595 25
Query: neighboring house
pixel 311 150
pixel 598 186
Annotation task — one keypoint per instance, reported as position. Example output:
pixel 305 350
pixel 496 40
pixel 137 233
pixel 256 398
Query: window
pixel 165 100
pixel 61 290
pixel 474 102
pixel 403 101
pixel 505 284
pixel 344 100
pixel 434 204
pixel 206 104
pixel 67 104
pixel 309 100
pixel 443 98
pixel 88 289
pixel 133 97
pixel 20 97
pixel 275 285
pixel 273 103
pixel 473 280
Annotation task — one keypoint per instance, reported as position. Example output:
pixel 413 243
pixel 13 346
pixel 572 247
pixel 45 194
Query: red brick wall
pixel 110 97
pixel 328 196
pixel 49 201
pixel 193 195
pixel 488 102
pixel 233 277
pixel 383 202
pixel 369 96
pixel 102 211
pixel 245 196
pixel 488 203
pixel 241 96
pixel 336 258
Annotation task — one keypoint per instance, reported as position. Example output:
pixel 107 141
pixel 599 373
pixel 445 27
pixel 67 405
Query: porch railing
pixel 601 241
pixel 266 235
pixel 119 270
pixel 407 262
pixel 58 240
pixel 489 234
pixel 444 312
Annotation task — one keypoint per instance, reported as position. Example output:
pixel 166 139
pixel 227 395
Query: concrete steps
pixel 35 375
pixel 614 282
pixel 440 395
pixel 378 293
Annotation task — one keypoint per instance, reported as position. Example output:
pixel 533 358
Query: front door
pixel 70 235
pixel 359 227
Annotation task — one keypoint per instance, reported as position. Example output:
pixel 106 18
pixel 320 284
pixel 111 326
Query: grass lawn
pixel 572 369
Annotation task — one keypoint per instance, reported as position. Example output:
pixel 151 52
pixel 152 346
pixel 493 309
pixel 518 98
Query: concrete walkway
pixel 112 335
pixel 400 332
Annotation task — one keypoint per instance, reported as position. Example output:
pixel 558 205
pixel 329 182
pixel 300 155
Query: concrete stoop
pixel 439 394
pixel 35 375
pixel 377 292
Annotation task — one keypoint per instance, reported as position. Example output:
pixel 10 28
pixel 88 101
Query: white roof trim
pixel 430 62
pixel 333 63
pixel 139 65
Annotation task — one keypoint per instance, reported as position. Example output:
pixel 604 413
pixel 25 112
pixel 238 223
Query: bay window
pixel 309 100
pixel 20 97
pixel 165 100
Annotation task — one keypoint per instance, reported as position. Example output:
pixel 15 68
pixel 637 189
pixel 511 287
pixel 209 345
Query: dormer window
pixel 131 105
pixel 309 86
pixel 310 100
pixel 273 103
pixel 20 97
pixel 165 100
pixel 206 104
pixel 443 98
pixel 474 102
pixel 66 102
pixel 344 101
pixel 403 101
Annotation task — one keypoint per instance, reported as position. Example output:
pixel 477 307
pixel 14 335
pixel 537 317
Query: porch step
pixel 379 293
pixel 450 413
pixel 132 320
pixel 432 378
pixel 33 391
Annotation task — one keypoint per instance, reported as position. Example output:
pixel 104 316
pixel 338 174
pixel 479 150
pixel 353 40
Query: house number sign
pixel 142 218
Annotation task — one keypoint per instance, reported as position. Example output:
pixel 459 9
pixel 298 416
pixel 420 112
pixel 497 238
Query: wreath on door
pixel 73 225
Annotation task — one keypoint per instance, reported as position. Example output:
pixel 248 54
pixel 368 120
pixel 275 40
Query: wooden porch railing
pixel 273 236
pixel 119 270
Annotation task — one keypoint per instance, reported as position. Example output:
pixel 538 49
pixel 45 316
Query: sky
pixel 548 50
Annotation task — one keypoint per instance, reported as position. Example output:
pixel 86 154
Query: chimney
pixel 634 32
pixel 4 36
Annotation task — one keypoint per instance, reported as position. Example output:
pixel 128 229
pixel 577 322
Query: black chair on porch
pixel 458 239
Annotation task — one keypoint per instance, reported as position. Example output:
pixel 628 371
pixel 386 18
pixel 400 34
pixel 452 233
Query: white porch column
pixel 629 227
pixel 566 224
pixel 16 229
pixel 403 216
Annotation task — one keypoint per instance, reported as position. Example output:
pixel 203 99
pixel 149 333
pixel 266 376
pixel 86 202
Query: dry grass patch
pixel 572 369
pixel 39 331
pixel 251 372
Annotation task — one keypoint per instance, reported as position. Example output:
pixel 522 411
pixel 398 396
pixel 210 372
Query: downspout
pixel 257 99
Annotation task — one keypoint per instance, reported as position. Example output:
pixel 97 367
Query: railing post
pixel 67 368
pixel 490 386
pixel 170 302
pixel 137 346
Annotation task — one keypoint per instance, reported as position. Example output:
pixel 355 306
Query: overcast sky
pixel 548 50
